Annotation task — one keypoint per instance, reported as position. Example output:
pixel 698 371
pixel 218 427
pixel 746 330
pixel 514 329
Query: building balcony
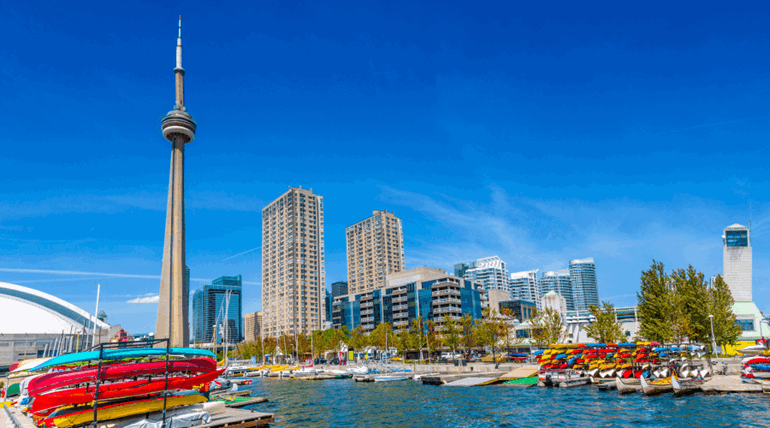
pixel 447 310
pixel 453 318
pixel 367 320
pixel 400 299
pixel 400 307
pixel 400 315
pixel 367 312
pixel 446 292
pixel 368 304
pixel 447 300
pixel 400 324
pixel 399 291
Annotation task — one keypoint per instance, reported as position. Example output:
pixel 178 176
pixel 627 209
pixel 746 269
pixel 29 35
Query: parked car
pixel 334 361
pixel 319 361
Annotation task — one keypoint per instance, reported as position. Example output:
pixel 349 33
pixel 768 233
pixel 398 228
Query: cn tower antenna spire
pixel 179 46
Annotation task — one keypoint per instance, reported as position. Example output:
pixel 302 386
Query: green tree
pixel 547 327
pixel 358 338
pixel 692 300
pixel 468 328
pixel 656 304
pixel 379 334
pixel 434 339
pixel 606 328
pixel 487 331
pixel 451 333
pixel 418 335
pixel 506 329
pixel 721 301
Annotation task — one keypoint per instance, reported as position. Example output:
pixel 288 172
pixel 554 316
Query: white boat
pixel 419 376
pixel 336 372
pixel 752 350
pixel 359 370
pixel 390 378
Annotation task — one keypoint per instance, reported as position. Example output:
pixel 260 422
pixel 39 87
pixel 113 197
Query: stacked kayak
pixel 629 360
pixel 63 391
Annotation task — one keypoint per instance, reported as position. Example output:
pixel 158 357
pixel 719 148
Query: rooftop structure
pixel 490 271
pixel 44 317
pixel 179 129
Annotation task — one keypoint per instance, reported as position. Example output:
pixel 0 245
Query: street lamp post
pixel 713 339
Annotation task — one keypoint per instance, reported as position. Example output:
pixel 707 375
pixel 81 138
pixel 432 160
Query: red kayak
pixel 62 379
pixel 44 404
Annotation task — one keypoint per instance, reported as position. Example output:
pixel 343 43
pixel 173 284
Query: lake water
pixel 343 402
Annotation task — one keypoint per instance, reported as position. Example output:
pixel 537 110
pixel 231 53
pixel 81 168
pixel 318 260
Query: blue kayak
pixel 119 354
pixel 537 352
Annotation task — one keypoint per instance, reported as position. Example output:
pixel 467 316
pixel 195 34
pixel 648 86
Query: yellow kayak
pixel 123 410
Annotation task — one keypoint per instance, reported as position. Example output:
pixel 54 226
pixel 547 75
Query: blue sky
pixel 539 133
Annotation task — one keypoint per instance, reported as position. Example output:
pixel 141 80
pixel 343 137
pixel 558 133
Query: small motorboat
pixel 390 378
pixel 684 388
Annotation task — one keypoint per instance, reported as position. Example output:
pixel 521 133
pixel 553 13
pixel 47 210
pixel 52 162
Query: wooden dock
pixel 240 393
pixel 237 418
pixel 729 383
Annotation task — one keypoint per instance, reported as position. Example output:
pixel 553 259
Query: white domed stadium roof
pixel 28 311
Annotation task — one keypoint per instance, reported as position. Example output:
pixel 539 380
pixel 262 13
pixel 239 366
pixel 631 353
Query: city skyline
pixel 539 136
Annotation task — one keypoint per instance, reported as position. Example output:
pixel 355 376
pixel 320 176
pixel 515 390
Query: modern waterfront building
pixel 339 288
pixel 37 324
pixel 585 291
pixel 490 271
pixel 522 310
pixel 252 326
pixel 526 286
pixel 179 129
pixel 737 266
pixel 293 274
pixel 217 307
pixel 426 292
pixel 559 282
pixel 375 249
pixel 576 321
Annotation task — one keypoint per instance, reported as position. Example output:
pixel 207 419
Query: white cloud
pixel 147 299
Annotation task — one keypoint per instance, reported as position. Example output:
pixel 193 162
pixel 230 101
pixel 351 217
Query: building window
pixel 746 325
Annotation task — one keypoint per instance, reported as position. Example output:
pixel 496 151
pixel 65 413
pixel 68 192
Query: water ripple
pixel 411 404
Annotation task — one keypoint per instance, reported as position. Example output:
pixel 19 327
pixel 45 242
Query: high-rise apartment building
pixel 585 290
pixel 218 307
pixel 339 288
pixel 252 326
pixel 375 248
pixel 736 254
pixel 525 286
pixel 558 281
pixel 293 274
pixel 490 271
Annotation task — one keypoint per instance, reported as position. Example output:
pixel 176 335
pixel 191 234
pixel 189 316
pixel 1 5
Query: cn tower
pixel 178 128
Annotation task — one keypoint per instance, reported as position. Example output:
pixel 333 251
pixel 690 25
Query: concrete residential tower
pixel 293 274
pixel 736 254
pixel 178 128
pixel 737 259
pixel 375 248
